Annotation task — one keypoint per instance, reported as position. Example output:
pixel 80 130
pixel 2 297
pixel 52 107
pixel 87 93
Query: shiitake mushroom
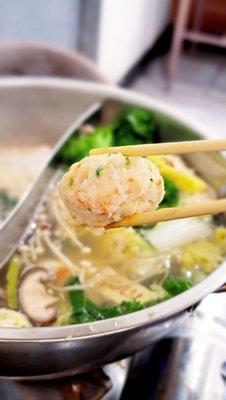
pixel 34 299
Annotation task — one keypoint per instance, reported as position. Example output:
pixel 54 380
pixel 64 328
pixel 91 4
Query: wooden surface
pixel 160 149
pixel 171 213
pixel 213 18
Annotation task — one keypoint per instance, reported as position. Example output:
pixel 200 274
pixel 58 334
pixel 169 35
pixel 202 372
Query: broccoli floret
pixel 176 285
pixel 78 147
pixel 134 126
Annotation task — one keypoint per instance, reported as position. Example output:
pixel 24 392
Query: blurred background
pixel 171 50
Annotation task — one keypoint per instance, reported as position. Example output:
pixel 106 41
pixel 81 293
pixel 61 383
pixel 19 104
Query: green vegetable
pixel 134 126
pixel 131 306
pixel 78 147
pixel 12 277
pixel 125 307
pixel 76 297
pixel 70 182
pixel 128 161
pixel 92 312
pixel 176 285
pixel 99 171
pixel 172 194
pixel 83 310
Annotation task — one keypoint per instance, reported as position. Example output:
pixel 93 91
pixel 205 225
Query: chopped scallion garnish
pixel 128 161
pixel 70 182
pixel 99 171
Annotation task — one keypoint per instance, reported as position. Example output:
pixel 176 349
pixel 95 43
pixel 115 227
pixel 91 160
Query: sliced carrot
pixel 62 274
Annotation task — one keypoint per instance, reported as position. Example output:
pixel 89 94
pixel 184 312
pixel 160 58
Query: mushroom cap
pixel 34 299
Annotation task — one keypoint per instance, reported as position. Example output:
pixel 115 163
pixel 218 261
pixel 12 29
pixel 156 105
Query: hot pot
pixel 37 110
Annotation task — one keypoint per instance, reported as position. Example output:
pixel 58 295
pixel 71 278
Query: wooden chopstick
pixel 165 148
pixel 166 214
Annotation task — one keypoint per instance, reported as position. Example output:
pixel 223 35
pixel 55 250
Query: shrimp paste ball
pixel 102 189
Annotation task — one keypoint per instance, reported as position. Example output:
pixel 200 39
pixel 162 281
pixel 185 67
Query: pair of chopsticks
pixel 166 214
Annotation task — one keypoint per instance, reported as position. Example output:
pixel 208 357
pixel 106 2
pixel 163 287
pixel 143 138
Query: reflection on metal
pixel 196 368
pixel 117 373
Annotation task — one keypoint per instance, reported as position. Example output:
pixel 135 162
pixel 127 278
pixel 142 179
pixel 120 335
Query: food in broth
pixel 63 274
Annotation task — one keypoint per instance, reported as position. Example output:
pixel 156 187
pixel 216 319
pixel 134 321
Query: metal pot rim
pixel 151 315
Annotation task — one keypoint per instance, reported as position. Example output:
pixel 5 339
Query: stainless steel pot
pixel 39 110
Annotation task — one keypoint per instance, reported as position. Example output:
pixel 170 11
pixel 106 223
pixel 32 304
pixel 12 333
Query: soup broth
pixel 66 275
